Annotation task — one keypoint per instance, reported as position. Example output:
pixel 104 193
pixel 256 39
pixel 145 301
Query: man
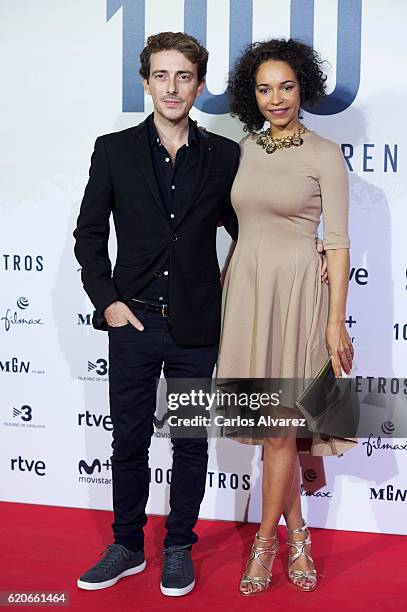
pixel 167 184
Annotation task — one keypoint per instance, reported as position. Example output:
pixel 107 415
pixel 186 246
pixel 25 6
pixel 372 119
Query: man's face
pixel 172 84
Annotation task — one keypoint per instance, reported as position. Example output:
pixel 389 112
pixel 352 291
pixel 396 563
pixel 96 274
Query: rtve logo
pixel 359 275
pixel 28 465
pixel 95 420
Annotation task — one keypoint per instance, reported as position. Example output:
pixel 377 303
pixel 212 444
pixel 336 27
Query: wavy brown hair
pixel 184 43
pixel 304 61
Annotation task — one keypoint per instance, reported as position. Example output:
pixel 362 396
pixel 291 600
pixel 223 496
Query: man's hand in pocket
pixel 119 314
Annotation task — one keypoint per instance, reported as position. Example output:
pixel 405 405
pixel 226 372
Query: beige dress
pixel 274 306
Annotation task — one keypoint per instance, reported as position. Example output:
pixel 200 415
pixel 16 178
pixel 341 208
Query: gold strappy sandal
pixel 254 585
pixel 296 575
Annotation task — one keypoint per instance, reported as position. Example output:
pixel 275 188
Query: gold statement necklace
pixel 271 144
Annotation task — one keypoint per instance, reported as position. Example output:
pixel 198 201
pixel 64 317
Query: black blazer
pixel 122 182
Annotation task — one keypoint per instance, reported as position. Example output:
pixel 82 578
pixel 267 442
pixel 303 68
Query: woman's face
pixel 278 93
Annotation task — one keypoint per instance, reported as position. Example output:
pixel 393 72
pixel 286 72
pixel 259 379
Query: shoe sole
pixel 177 592
pixel 95 586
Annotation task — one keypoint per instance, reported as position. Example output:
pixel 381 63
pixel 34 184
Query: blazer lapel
pixel 143 153
pixel 206 150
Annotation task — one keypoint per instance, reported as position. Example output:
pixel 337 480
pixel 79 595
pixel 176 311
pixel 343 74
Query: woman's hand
pixel 227 262
pixel 324 269
pixel 340 346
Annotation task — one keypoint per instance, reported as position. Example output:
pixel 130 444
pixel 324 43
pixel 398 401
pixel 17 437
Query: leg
pixel 134 365
pixel 190 455
pixel 293 517
pixel 279 461
pixel 292 508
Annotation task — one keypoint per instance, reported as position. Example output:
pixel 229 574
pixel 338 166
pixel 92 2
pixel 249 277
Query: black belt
pixel 161 309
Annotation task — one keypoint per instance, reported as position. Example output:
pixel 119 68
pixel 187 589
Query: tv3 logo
pixel 99 367
pixel 24 413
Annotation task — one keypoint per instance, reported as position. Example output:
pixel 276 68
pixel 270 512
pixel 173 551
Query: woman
pixel 277 321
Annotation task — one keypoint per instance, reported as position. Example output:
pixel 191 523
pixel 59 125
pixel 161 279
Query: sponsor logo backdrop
pixel 71 73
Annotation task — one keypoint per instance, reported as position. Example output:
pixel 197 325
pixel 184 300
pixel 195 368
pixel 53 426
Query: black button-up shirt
pixel 175 182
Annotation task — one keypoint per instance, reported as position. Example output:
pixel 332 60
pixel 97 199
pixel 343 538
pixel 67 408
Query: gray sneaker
pixel 178 572
pixel 117 563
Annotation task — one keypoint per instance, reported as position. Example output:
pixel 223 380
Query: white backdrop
pixel 69 74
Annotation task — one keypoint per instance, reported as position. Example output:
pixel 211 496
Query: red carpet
pixel 46 548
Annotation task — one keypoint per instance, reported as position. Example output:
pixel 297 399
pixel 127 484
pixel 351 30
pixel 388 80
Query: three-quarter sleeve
pixel 334 186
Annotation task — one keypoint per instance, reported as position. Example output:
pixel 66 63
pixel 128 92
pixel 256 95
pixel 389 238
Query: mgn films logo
pixel 33 466
pixel 14 365
pixel 97 371
pixel 87 419
pixel 21 263
pixel 95 471
pixel 23 417
pixel 388 494
pixel 373 444
pixel 19 316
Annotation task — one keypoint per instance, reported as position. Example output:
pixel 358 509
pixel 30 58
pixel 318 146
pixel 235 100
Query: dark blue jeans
pixel 135 363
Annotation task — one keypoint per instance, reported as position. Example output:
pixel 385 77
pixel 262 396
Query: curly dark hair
pixel 304 61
